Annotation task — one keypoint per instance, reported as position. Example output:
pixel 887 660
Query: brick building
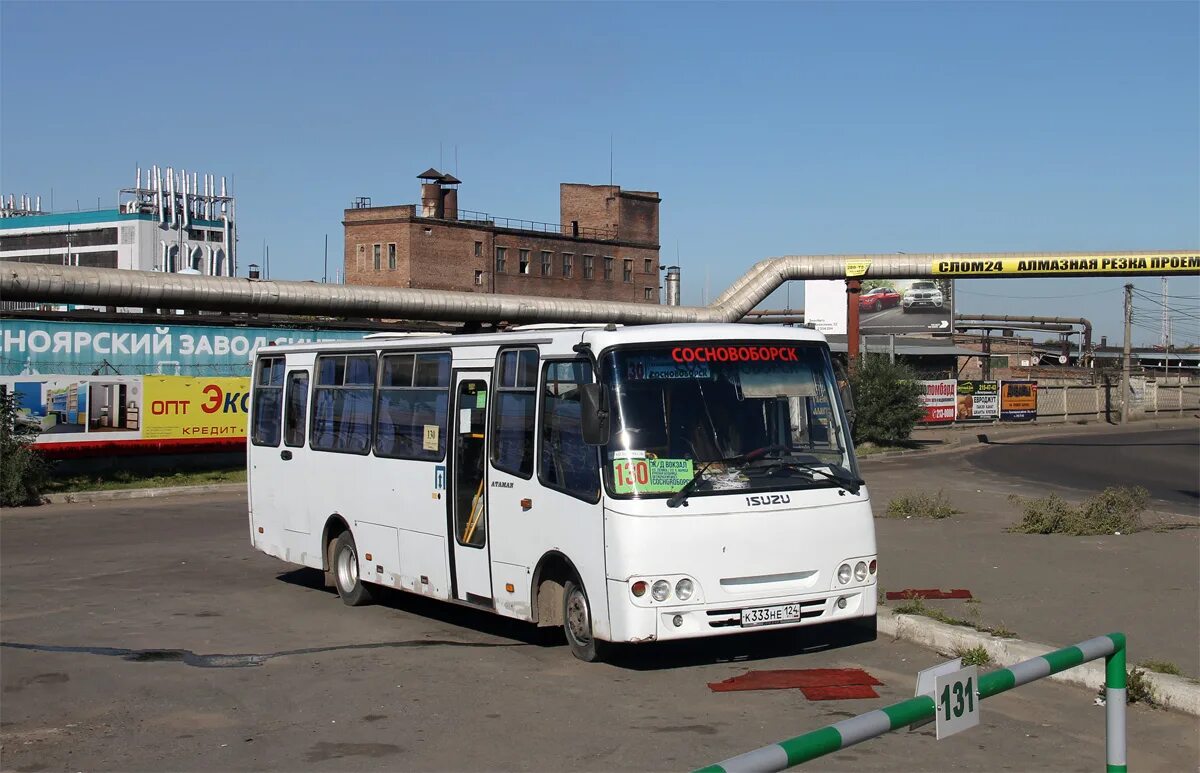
pixel 605 247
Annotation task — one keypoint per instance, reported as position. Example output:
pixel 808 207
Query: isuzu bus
pixel 630 484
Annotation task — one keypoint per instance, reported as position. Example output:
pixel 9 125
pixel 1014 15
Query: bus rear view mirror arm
pixel 594 405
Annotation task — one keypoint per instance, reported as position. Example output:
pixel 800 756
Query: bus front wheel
pixel 343 558
pixel 577 623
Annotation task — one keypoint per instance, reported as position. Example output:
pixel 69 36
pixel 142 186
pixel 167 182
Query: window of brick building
pixel 649 293
pixel 479 249
pixel 362 257
pixel 547 266
pixel 589 270
pixel 608 268
pixel 391 257
pixel 568 265
pixel 478 278
pixel 501 257
pixel 378 253
pixel 524 261
pixel 628 273
pixel 649 269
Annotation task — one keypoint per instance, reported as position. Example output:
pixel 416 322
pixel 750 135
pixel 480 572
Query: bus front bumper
pixel 634 624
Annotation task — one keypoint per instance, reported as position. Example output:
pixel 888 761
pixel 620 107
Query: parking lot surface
pixel 146 635
pixel 1053 588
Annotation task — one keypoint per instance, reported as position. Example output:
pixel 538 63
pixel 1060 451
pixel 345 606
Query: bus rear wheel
pixel 343 560
pixel 577 623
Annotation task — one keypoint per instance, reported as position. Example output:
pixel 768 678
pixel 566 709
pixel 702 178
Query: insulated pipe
pixel 187 213
pixel 1086 324
pixel 35 282
pixel 158 196
pixel 177 291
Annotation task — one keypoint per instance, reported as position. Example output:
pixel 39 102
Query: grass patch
pixel 1161 667
pixel 920 505
pixel 919 607
pixel 1112 511
pixel 973 656
pixel 125 479
pixel 1137 689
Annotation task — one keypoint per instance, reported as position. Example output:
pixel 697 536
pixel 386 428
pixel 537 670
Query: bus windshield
pixel 746 417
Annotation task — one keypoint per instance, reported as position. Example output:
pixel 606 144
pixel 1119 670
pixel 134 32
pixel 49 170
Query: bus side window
pixel 343 401
pixel 513 412
pixel 295 408
pixel 414 394
pixel 268 402
pixel 567 463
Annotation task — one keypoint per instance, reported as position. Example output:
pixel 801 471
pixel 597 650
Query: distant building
pixel 605 247
pixel 176 223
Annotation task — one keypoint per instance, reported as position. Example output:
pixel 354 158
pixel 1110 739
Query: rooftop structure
pixel 605 246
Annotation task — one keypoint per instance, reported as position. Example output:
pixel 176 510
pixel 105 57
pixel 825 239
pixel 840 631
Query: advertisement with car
pixel 885 306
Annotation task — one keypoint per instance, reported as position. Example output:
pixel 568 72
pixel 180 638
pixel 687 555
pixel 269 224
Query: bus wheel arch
pixel 554 570
pixel 334 526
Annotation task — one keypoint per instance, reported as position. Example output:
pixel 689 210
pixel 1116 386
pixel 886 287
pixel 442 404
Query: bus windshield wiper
pixel 853 485
pixel 680 496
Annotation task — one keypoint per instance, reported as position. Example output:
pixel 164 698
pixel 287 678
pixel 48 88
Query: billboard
pixel 885 306
pixel 183 407
pixel 94 415
pixel 1018 400
pixel 938 400
pixel 30 346
pixel 978 400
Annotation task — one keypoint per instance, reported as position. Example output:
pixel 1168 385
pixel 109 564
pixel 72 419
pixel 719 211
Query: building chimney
pixel 449 194
pixel 672 285
pixel 1103 342
pixel 431 193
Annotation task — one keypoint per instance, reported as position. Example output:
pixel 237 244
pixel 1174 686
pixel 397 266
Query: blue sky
pixel 770 129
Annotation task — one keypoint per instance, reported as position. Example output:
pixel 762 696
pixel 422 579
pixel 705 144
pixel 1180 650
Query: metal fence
pixel 535 226
pixel 1103 401
pixel 794 751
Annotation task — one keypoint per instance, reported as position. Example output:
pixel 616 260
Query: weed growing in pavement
pixel 1137 689
pixel 1112 511
pixel 973 656
pixel 920 505
pixel 917 606
pixel 1161 667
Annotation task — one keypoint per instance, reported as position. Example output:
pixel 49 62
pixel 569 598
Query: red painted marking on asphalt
pixel 786 679
pixel 844 692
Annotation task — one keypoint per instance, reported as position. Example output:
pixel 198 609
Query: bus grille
pixel 724 618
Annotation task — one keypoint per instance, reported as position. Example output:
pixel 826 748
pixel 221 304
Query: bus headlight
pixel 660 590
pixel 860 571
pixel 683 589
pixel 843 575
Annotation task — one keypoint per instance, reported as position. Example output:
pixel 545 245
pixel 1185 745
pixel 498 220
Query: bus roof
pixel 599 338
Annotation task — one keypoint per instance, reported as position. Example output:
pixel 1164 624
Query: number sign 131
pixel 957 699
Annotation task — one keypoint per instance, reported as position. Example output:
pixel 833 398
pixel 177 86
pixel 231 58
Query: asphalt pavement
pixel 147 635
pixel 1054 589
pixel 1165 462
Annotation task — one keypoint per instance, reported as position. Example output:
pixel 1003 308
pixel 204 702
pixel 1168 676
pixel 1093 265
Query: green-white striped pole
pixel 818 743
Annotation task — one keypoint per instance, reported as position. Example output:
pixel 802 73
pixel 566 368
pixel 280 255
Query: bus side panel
pixel 555 521
pixel 395 510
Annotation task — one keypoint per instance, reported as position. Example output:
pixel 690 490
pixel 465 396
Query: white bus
pixel 631 484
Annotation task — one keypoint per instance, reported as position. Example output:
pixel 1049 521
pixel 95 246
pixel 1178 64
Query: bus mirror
pixel 594 405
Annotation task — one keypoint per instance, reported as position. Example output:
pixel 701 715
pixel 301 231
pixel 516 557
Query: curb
pixel 1170 691
pixel 966 437
pixel 141 493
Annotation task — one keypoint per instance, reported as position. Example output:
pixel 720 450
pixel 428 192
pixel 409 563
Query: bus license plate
pixel 770 615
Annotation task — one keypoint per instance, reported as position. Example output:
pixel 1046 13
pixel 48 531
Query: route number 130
pixel 957 701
